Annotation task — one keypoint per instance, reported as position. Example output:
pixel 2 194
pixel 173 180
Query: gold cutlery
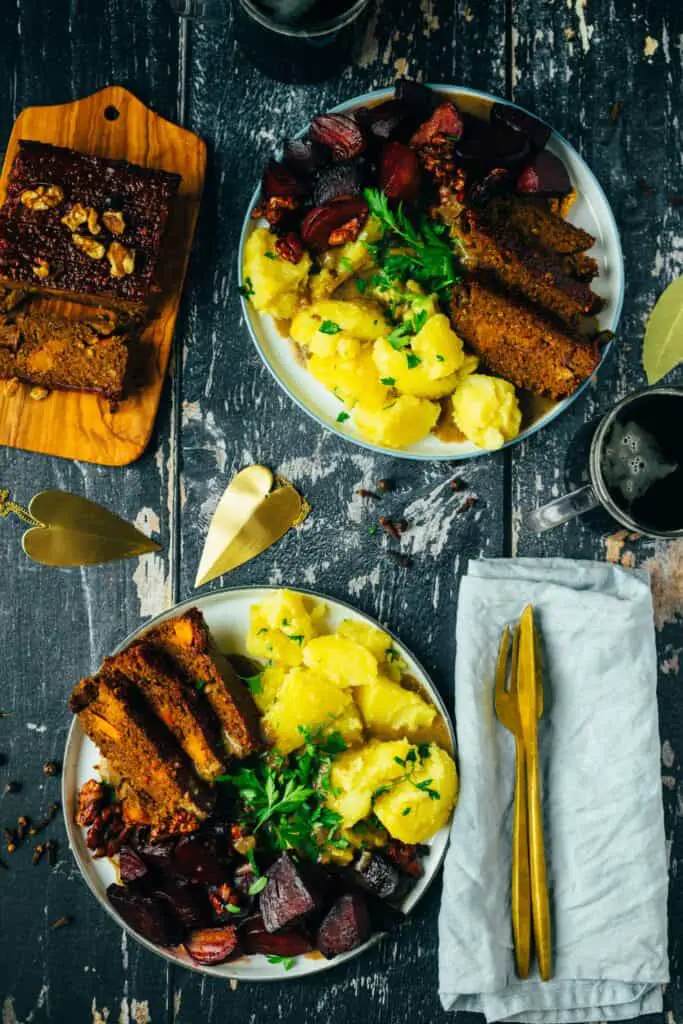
pixel 507 710
pixel 519 705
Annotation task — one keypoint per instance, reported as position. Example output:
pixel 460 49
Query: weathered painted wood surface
pixel 569 60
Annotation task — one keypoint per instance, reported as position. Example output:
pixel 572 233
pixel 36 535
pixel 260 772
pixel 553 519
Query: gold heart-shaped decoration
pixel 75 531
pixel 250 517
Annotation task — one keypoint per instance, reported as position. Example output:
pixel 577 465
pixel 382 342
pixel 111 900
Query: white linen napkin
pixel 603 818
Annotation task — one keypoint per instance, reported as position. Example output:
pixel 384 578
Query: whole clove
pixel 401 525
pixel 52 850
pixel 51 768
pixel 467 503
pixel 456 484
pixel 60 922
pixel 12 786
pixel 615 111
pixel 385 485
pixel 22 825
pixel 400 558
pixel 388 526
pixel 363 492
pixel 38 853
pixel 10 837
pixel 38 826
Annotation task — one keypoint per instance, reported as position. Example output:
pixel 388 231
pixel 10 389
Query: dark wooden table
pixel 607 75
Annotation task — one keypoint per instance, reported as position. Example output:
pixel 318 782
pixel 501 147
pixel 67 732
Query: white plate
pixel 227 616
pixel 591 211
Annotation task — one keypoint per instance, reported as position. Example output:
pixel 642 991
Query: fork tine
pixel 502 667
pixel 513 688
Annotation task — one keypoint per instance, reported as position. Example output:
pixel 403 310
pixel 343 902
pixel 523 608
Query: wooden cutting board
pixel 110 123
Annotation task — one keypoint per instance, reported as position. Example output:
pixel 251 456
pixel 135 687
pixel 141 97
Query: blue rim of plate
pixel 549 417
pixel 72 828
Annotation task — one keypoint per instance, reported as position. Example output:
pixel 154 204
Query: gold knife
pixel 530 687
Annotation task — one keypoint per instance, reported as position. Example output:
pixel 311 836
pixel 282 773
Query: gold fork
pixel 507 710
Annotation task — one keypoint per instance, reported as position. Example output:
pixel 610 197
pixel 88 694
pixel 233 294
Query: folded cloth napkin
pixel 603 819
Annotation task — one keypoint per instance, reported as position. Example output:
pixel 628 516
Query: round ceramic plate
pixel 591 211
pixel 227 616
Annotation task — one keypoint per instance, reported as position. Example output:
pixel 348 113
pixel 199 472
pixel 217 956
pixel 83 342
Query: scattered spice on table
pixel 10 838
pixel 385 485
pixel 52 850
pixel 388 526
pixel 615 111
pixel 60 922
pixel 467 503
pixel 363 492
pixel 38 826
pixel 22 825
pixel 38 853
pixel 51 768
pixel 456 484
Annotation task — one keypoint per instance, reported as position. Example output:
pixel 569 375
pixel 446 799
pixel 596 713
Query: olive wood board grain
pixel 111 123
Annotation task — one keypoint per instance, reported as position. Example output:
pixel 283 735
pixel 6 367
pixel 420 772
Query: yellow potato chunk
pixel 362 320
pixel 351 380
pixel 486 410
pixel 405 301
pixel 305 330
pixel 439 347
pixel 404 422
pixel 378 643
pixel 393 365
pixel 269 687
pixel 391 711
pixel 357 774
pixel 280 626
pixel 408 811
pixel 306 700
pixel 277 285
pixel 342 262
pixel 340 661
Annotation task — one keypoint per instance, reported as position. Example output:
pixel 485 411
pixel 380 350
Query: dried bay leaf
pixel 663 342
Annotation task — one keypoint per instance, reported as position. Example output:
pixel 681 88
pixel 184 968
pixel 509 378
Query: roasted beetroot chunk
pixel 545 175
pixel 399 172
pixel 290 942
pixel 383 121
pixel 445 123
pixel 294 891
pixel 145 914
pixel 418 99
pixel 376 874
pixel 212 945
pixel 304 156
pixel 535 130
pixel 279 180
pixel 196 859
pixel 345 926
pixel 339 133
pixel 131 865
pixel 186 902
pixel 334 223
pixel 337 181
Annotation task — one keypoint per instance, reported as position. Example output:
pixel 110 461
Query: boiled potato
pixel 342 262
pixel 393 366
pixel 400 424
pixel 351 380
pixel 357 774
pixel 305 330
pixel 269 686
pixel 405 301
pixel 378 643
pixel 361 319
pixel 280 626
pixel 439 347
pixel 306 700
pixel 340 661
pixel 277 285
pixel 486 410
pixel 391 711
pixel 411 814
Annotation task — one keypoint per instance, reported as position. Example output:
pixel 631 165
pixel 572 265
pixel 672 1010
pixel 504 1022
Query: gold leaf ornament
pixel 256 510
pixel 663 342
pixel 67 530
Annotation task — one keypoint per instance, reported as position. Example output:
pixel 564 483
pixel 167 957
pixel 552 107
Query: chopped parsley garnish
pixel 440 358
pixel 389 381
pixel 406 810
pixel 286 961
pixel 424 254
pixel 391 654
pixel 246 290
pixel 200 684
pixel 283 798
pixel 298 638
pixel 232 908
pixel 342 417
pixel 258 886
pixel 272 256
pixel 361 284
pixel 345 264
pixel 372 530
pixel 412 360
pixel 410 762
pixel 401 335
pixel 261 631
pixel 329 327
pixel 254 682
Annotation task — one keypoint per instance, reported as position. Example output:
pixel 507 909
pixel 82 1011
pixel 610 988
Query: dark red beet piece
pixel 279 180
pixel 399 172
pixel 446 122
pixel 345 926
pixel 406 857
pixel 145 914
pixel 519 120
pixel 495 183
pixel 546 175
pixel 340 133
pixel 493 147
pixel 196 859
pixel 418 98
pixel 290 942
pixel 336 181
pixel 304 156
pixel 374 873
pixel 291 894
pixel 156 855
pixel 320 223
pixel 188 903
pixel 383 121
pixel 212 945
pixel 131 865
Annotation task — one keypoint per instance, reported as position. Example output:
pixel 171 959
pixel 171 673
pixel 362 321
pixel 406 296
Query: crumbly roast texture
pixel 520 344
pixel 178 704
pixel 61 354
pixel 187 640
pixel 537 225
pixel 137 745
pixel 82 226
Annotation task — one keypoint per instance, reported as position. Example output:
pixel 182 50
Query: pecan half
pixel 290 247
pixel 76 216
pixel 91 799
pixel 121 260
pixel 114 222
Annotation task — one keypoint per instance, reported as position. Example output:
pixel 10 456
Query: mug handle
pixel 562 509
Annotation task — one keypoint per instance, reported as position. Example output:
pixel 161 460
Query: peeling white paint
pixel 651 46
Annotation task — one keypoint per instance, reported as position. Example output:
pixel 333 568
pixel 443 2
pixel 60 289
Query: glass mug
pixel 635 466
